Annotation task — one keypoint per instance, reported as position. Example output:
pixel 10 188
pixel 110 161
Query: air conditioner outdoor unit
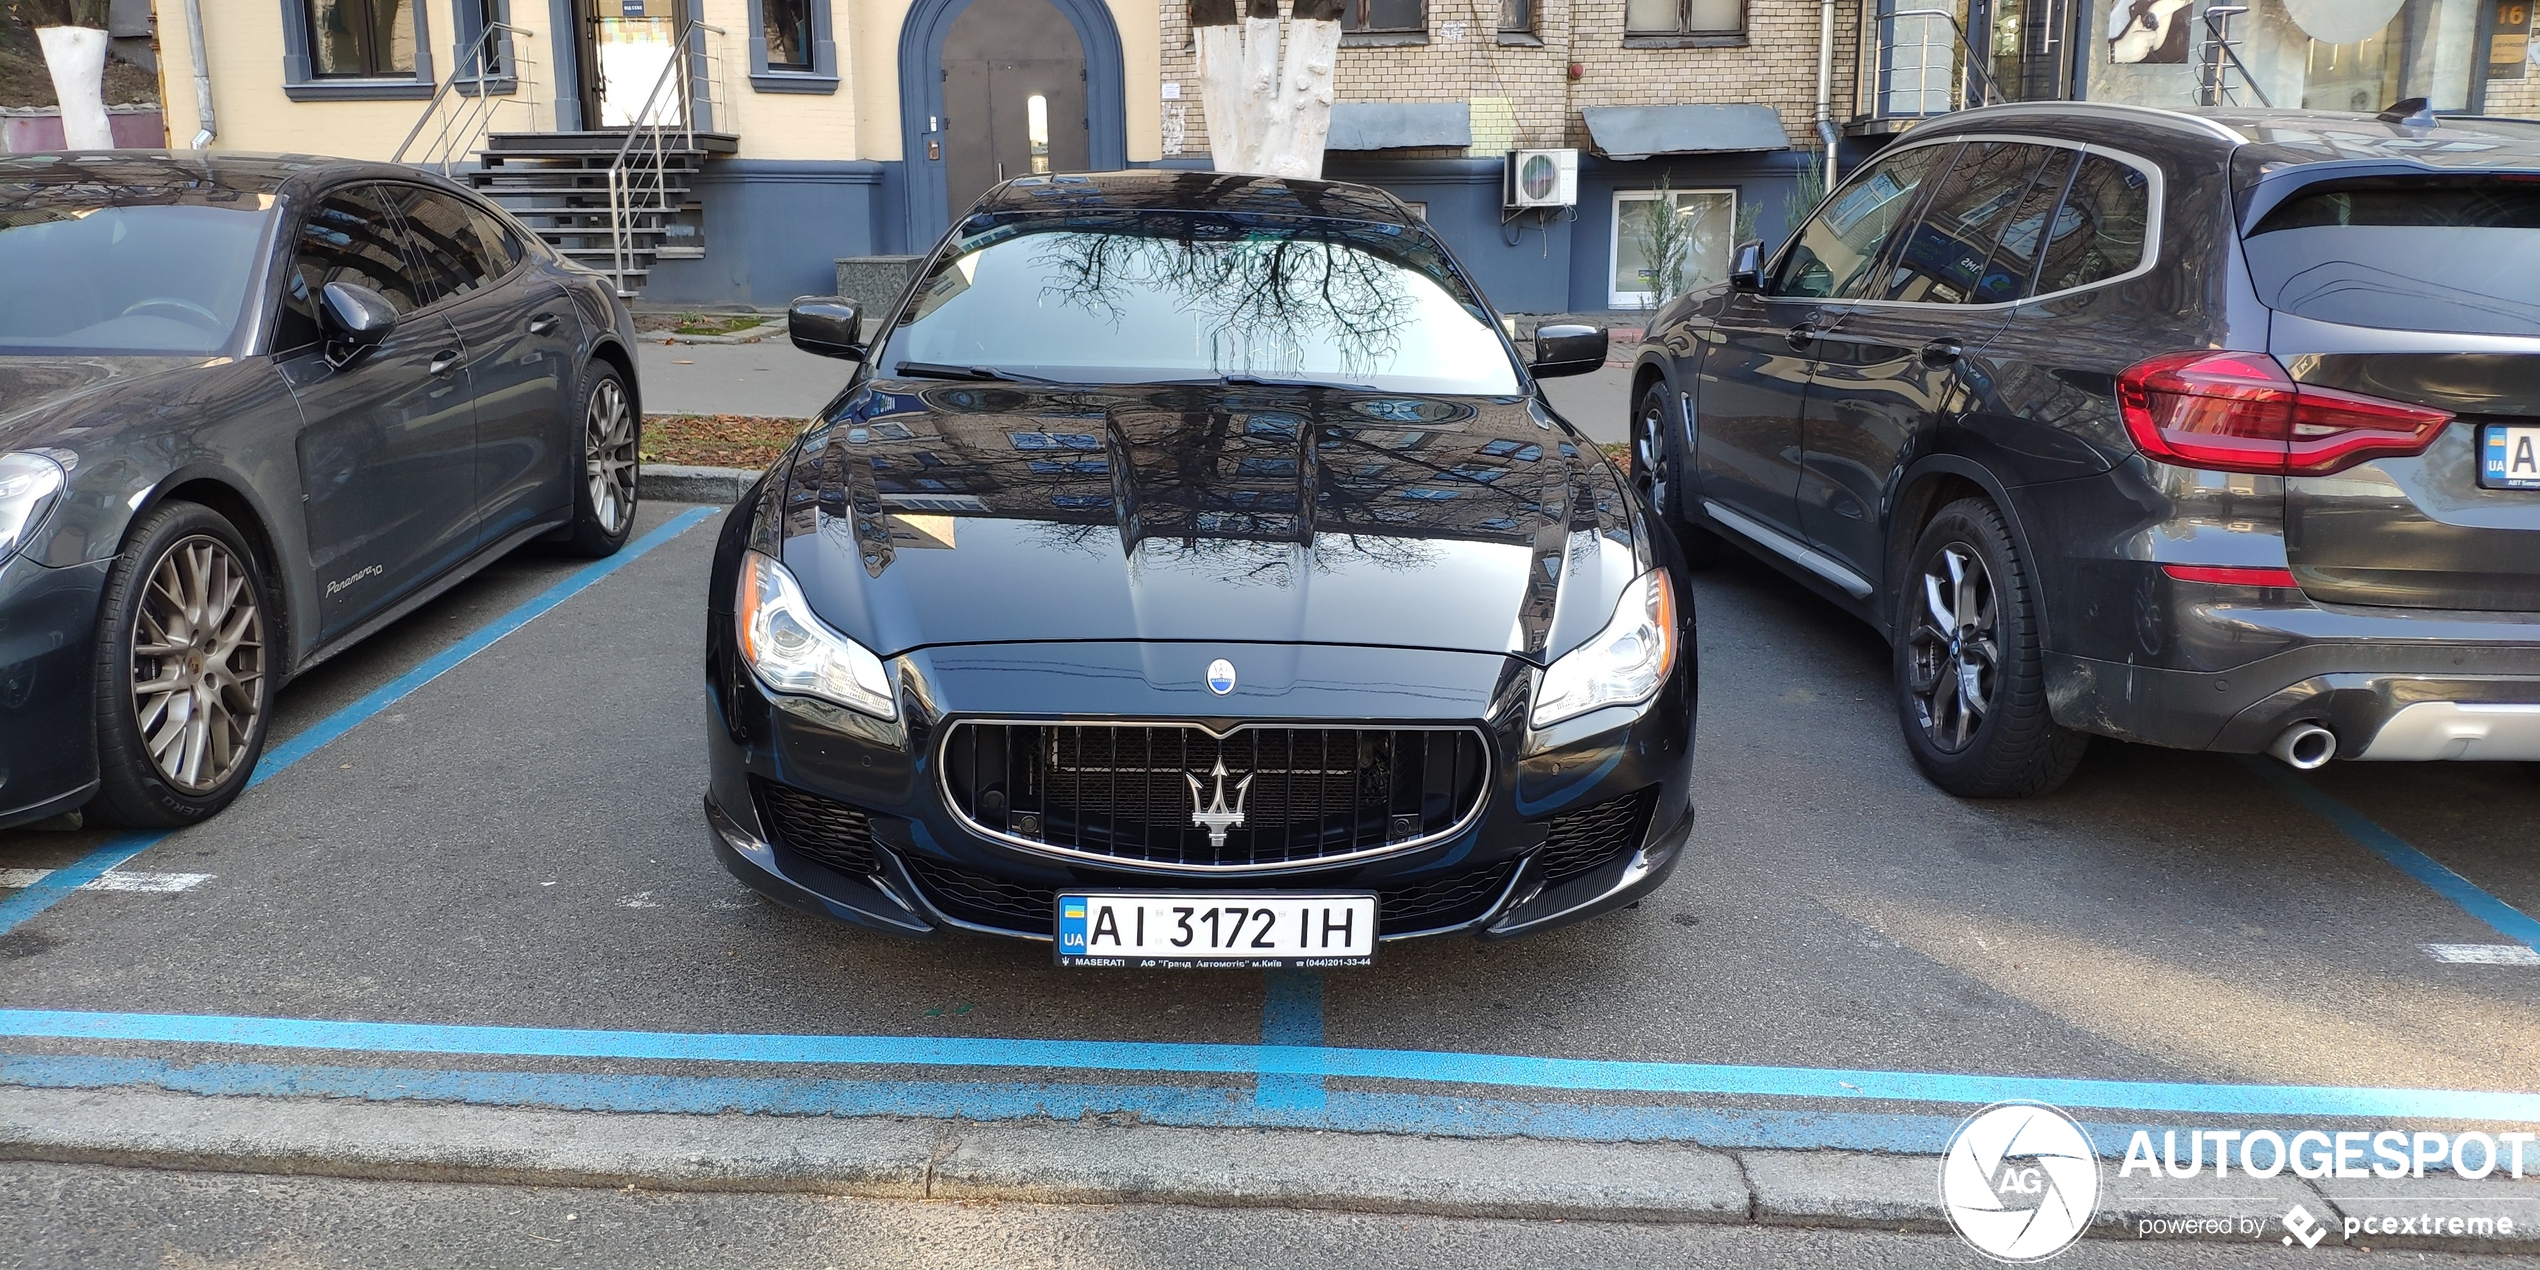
pixel 1542 178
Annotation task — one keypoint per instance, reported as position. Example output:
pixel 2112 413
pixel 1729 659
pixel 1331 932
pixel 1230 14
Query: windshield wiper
pixel 1256 381
pixel 938 370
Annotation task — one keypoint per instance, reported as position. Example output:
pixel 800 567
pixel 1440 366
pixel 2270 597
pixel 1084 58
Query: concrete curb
pixel 676 483
pixel 1087 1161
pixel 754 335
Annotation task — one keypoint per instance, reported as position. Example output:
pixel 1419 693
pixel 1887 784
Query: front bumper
pixel 926 872
pixel 2392 684
pixel 48 624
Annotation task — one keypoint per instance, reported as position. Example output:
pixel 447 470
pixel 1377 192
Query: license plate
pixel 2510 456
pixel 1144 930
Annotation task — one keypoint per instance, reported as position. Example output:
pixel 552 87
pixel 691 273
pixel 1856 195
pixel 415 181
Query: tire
pixel 1972 696
pixel 186 608
pixel 1655 471
pixel 611 435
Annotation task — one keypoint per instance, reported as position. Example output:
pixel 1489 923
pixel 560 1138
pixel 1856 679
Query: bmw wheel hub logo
pixel 2020 1181
pixel 1221 676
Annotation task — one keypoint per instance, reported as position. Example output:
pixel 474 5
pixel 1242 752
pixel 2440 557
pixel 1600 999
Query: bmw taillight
pixel 2239 412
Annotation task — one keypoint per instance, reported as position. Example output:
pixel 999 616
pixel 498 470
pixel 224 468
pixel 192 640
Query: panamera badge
pixel 1214 815
pixel 1221 676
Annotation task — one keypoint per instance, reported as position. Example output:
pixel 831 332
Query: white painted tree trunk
pixel 76 55
pixel 1265 114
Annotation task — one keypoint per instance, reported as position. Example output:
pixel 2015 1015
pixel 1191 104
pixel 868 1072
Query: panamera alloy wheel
pixel 185 682
pixel 612 436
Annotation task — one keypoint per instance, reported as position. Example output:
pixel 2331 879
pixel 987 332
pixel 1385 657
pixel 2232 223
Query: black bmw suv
pixel 2217 431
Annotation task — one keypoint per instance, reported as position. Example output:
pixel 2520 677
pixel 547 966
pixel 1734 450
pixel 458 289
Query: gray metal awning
pixel 1399 125
pixel 1637 132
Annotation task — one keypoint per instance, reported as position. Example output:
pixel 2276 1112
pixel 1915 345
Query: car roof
pixel 1233 193
pixel 160 175
pixel 2271 139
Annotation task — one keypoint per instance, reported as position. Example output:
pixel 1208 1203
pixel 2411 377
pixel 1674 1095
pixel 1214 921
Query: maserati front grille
pixel 1175 795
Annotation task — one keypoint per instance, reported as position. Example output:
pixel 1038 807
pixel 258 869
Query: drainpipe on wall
pixel 1825 84
pixel 203 75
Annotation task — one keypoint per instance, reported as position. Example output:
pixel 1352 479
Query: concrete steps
pixel 558 183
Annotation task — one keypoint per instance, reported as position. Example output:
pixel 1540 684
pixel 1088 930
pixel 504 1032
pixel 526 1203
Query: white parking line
pixel 111 880
pixel 2484 954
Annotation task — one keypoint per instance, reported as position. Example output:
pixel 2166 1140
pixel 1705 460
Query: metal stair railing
pixel 2220 56
pixel 1974 83
pixel 639 181
pixel 463 128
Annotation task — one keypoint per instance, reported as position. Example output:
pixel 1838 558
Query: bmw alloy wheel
pixel 197 664
pixel 608 454
pixel 1954 648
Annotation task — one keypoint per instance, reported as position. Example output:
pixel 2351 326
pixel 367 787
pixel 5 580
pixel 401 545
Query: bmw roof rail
pixel 2177 119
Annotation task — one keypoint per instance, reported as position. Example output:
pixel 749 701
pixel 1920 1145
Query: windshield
pixel 1163 297
pixel 81 276
pixel 2415 255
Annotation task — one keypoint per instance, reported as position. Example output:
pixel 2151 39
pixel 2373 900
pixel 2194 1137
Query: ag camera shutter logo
pixel 2020 1181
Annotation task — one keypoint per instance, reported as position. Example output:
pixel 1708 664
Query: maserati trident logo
pixel 1221 676
pixel 1214 815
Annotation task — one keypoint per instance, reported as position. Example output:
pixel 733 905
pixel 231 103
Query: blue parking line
pixel 60 883
pixel 1291 1014
pixel 1430 1066
pixel 2508 921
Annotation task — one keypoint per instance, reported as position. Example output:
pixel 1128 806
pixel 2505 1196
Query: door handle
pixel 1804 334
pixel 543 323
pixel 1941 352
pixel 443 363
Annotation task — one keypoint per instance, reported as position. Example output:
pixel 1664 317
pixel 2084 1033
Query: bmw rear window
pixel 2445 254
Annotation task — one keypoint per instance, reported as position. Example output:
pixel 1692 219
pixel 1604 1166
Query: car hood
pixel 989 513
pixel 36 392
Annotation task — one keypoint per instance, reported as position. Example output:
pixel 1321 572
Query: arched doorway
pixel 991 89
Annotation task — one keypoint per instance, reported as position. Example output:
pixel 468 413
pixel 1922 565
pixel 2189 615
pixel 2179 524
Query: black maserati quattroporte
pixel 1192 573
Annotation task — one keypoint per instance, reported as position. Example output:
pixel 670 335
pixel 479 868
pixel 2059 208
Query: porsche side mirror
pixel 1568 350
pixel 827 325
pixel 1746 271
pixel 355 319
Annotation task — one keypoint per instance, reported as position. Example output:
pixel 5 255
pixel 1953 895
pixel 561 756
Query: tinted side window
pixel 349 237
pixel 1841 243
pixel 2099 231
pixel 2014 264
pixel 455 256
pixel 1942 260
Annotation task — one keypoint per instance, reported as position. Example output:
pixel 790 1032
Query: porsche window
pixel 1167 298
pixel 79 276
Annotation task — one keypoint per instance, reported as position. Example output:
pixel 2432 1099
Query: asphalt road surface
pixel 518 841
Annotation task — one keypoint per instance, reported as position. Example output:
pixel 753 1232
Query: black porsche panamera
pixel 1193 574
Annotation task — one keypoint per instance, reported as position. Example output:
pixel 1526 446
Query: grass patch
pixel 700 323
pixel 745 441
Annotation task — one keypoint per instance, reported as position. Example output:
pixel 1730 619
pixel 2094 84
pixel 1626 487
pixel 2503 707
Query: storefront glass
pixel 2361 55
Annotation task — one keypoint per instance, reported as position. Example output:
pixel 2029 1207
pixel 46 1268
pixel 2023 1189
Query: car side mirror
pixel 355 319
pixel 1568 350
pixel 827 325
pixel 1746 271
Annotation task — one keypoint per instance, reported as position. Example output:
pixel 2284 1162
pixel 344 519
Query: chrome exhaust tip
pixel 2305 747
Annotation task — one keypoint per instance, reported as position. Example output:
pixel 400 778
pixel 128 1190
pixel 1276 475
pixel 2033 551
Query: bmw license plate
pixel 1169 930
pixel 2509 456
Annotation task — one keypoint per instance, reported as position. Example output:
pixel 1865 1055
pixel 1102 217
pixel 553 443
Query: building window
pixel 361 39
pixel 475 18
pixel 787 25
pixel 358 49
pixel 1668 242
pixel 1384 15
pixel 791 47
pixel 1670 18
pixel 1516 17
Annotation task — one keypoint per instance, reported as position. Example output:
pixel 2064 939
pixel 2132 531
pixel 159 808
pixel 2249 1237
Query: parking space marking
pixel 2483 954
pixel 1291 1014
pixel 112 880
pixel 1207 1058
pixel 2504 918
pixel 60 883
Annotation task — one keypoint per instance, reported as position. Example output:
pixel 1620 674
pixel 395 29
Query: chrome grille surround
pixel 1468 761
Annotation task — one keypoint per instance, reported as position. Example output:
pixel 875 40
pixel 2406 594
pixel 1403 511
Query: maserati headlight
pixel 1624 664
pixel 792 651
pixel 28 483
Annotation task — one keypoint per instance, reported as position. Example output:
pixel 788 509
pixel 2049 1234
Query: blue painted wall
pixel 774 229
